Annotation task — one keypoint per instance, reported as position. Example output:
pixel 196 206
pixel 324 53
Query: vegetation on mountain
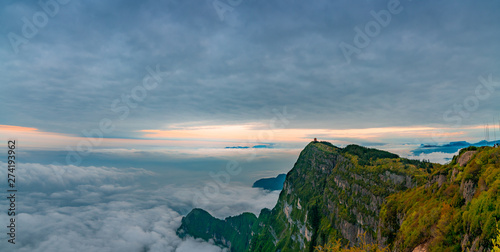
pixel 228 232
pixel 336 246
pixel 496 241
pixel 332 195
pixel 458 209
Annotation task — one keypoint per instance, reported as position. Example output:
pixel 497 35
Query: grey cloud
pixel 277 53
pixel 194 245
pixel 60 177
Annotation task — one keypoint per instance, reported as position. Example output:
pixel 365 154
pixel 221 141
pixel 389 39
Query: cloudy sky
pixel 164 87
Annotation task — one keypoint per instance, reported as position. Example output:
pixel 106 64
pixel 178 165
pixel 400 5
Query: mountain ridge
pixel 335 194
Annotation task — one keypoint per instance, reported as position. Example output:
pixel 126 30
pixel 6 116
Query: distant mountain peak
pixel 271 184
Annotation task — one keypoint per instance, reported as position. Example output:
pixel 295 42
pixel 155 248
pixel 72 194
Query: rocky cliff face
pixel 331 193
pixel 334 193
pixel 357 194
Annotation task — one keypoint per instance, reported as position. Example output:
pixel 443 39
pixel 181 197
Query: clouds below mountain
pixel 107 210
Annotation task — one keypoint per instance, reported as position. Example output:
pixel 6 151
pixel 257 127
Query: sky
pixel 184 91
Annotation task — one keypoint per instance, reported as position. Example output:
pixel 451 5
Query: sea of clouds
pixel 74 208
pixel 435 157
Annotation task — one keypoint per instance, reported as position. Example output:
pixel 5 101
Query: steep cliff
pixel 334 193
pixel 356 195
pixel 331 193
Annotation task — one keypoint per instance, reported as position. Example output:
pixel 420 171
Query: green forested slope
pixel 456 210
pixel 335 194
pixel 231 232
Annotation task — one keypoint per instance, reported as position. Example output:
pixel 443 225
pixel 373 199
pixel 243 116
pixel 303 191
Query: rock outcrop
pixel 465 157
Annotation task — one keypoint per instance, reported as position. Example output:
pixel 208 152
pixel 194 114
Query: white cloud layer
pixel 435 157
pixel 70 208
